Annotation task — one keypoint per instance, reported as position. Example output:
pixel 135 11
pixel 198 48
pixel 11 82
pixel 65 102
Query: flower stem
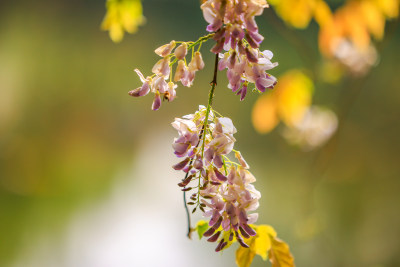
pixel 202 135
pixel 210 100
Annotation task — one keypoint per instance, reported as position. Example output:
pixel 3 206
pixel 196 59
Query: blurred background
pixel 85 176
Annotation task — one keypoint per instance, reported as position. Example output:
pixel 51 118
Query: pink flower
pixel 161 68
pixel 144 89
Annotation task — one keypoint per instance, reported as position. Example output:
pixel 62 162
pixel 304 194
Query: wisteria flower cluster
pixel 162 71
pixel 221 188
pixel 234 29
pixel 224 189
pixel 237 34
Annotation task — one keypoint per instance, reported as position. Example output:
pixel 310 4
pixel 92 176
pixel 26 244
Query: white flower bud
pixel 166 49
pixel 181 51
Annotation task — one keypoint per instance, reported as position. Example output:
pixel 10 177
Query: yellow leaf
pixel 279 254
pixel 244 256
pixel 262 243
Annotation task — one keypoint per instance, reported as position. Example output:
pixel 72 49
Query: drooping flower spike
pixel 235 31
pixel 237 34
pixel 220 187
pixel 223 188
pixel 163 71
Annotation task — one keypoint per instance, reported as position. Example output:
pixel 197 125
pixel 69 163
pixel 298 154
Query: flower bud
pixel 243 232
pixel 181 51
pixel 199 60
pixel 209 232
pixel 251 55
pixel 198 163
pixel 240 240
pixel 179 166
pixel 219 175
pixel 166 49
pixel 249 230
pixel 214 237
pixel 186 189
pixel 219 247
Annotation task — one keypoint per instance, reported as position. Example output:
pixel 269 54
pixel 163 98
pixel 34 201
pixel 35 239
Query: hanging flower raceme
pixel 162 71
pixel 236 32
pixel 223 188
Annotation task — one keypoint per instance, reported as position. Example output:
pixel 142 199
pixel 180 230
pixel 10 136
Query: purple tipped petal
pixel 218 46
pixel 220 176
pixel 251 24
pixel 251 41
pixel 251 56
pixel 218 161
pixel 242 217
pixel 242 243
pixel 179 166
pixel 240 240
pixel 215 217
pixel 218 223
pixel 209 232
pixel 219 34
pixel 243 92
pixel 219 247
pixel 214 26
pixel 231 236
pixel 214 237
pixel 263 83
pixel 198 164
pixel 135 93
pixel 243 232
pixel 180 149
pixel 209 154
pixel 256 37
pixel 249 230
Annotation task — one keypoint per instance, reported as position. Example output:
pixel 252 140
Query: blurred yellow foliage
pixel 121 16
pixel 298 13
pixel 287 102
pixel 357 21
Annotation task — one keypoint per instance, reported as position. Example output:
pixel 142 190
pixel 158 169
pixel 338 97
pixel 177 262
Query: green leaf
pixel 201 227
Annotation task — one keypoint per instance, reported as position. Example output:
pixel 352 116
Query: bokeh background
pixel 85 176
